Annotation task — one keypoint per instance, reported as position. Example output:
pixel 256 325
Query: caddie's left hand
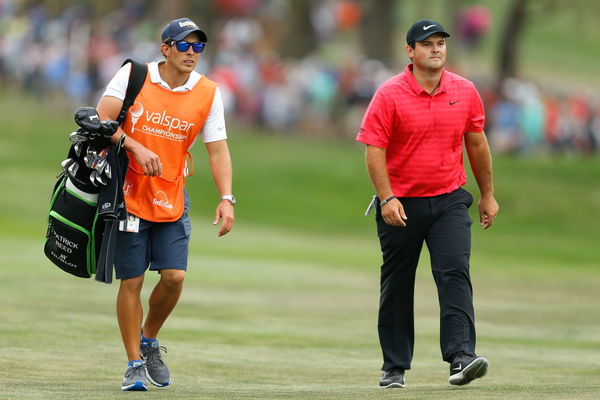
pixel 488 209
pixel 225 214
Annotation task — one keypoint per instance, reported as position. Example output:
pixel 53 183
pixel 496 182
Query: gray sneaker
pixel 393 378
pixel 156 369
pixel 135 378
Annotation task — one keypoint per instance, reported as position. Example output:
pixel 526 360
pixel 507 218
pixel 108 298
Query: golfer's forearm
pixel 481 165
pixel 377 168
pixel 484 179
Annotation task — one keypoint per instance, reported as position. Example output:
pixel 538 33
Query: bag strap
pixel 137 77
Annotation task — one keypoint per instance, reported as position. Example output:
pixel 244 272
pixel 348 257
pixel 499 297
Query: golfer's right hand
pixel 393 213
pixel 148 160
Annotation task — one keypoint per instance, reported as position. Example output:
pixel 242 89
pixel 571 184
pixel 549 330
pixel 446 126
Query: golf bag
pixel 87 202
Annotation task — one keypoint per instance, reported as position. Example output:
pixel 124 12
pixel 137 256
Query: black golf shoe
pixel 465 368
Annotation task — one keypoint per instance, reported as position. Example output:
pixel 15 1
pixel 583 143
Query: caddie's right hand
pixel 393 213
pixel 148 160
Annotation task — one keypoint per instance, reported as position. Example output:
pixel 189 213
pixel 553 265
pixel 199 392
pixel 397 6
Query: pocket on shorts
pixel 187 224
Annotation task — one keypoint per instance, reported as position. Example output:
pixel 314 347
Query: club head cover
pixel 108 128
pixel 88 119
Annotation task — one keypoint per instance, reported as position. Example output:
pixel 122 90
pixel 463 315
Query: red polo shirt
pixel 423 134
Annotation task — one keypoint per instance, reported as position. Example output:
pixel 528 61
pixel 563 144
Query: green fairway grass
pixel 284 307
pixel 252 324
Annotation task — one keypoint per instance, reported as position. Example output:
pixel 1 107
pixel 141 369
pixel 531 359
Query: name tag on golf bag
pixel 74 234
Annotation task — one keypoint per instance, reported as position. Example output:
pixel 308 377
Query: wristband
pixel 121 142
pixel 383 202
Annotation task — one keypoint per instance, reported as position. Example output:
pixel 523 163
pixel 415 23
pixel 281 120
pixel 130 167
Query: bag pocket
pixel 68 246
pixel 70 238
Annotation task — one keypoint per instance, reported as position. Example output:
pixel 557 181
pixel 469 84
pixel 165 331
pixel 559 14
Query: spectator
pixel 315 94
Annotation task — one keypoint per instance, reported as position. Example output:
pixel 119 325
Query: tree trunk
pixel 299 38
pixel 510 41
pixel 377 30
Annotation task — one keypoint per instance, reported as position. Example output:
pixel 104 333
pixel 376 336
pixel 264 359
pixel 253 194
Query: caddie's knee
pixel 172 278
pixel 132 284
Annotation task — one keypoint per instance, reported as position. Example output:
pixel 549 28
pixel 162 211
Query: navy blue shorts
pixel 157 245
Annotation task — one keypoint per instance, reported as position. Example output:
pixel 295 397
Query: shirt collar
pixel 418 89
pixel 155 78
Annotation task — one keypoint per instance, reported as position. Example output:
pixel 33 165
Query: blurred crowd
pixel 524 118
pixel 68 57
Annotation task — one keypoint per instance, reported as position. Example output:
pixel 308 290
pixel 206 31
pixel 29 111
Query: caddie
pixel 175 106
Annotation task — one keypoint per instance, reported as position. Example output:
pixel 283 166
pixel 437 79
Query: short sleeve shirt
pixel 423 133
pixel 214 127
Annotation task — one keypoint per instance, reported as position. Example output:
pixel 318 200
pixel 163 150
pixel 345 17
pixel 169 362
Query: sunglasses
pixel 182 46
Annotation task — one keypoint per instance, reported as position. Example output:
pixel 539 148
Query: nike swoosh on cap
pixel 427 27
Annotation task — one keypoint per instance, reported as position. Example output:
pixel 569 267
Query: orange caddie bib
pixel 166 123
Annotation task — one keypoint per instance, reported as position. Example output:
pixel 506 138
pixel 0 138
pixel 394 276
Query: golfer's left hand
pixel 224 213
pixel 488 209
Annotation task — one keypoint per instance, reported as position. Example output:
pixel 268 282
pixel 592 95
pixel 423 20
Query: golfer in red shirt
pixel 414 130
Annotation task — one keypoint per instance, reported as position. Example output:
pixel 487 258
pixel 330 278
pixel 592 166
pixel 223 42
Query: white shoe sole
pixel 156 383
pixel 393 385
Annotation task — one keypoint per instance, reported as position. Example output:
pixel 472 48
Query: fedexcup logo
pixel 161 200
pixel 136 111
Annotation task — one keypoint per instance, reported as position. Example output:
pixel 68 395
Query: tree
pixel 510 41
pixel 377 30
pixel 300 38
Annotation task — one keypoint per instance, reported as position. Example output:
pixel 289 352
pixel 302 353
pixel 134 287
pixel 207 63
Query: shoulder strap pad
pixel 136 81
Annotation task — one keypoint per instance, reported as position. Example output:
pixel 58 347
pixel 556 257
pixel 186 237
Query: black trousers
pixel 443 223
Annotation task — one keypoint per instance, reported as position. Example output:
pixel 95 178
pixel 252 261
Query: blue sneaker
pixel 135 378
pixel 156 369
